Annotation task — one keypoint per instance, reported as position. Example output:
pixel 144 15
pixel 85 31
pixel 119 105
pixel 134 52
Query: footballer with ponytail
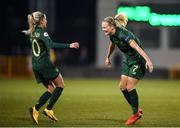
pixel 135 64
pixel 44 70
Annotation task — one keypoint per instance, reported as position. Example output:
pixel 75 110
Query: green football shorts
pixel 134 69
pixel 46 74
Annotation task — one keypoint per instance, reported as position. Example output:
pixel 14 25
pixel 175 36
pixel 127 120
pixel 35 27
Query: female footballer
pixel 43 69
pixel 136 62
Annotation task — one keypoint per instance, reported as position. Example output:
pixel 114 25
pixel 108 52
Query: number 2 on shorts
pixel 134 69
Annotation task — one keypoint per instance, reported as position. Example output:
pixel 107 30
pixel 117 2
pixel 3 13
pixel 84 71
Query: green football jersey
pixel 121 39
pixel 41 44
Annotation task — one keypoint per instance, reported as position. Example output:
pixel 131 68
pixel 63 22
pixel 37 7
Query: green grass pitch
pixel 91 102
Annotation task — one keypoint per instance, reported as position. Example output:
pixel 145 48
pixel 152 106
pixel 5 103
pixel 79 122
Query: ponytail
pixel 31 24
pixel 121 20
pixel 33 21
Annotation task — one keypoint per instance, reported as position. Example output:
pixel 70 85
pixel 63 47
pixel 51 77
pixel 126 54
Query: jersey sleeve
pixel 50 44
pixel 59 45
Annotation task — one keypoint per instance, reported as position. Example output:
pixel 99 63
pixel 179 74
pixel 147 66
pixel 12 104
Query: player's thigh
pixel 123 82
pixel 52 73
pixel 131 83
pixel 58 81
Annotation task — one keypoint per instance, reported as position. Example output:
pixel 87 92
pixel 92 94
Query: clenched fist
pixel 74 45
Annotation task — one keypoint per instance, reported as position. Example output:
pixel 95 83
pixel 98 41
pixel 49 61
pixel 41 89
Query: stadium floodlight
pixel 143 13
pixel 137 13
pixel 164 19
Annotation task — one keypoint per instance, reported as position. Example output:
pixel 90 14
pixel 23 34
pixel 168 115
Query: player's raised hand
pixel 74 45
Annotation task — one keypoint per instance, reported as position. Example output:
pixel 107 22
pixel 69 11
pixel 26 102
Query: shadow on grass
pixel 95 122
pixel 27 121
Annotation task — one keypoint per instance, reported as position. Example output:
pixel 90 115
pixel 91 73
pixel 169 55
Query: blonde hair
pixel 33 20
pixel 120 20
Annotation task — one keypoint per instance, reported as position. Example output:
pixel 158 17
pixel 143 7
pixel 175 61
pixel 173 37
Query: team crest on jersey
pixel 45 34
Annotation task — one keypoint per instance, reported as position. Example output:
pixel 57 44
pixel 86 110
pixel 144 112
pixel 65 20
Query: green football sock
pixel 42 100
pixel 134 100
pixel 126 95
pixel 55 95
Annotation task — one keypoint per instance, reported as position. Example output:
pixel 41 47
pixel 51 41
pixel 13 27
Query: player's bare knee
pixel 129 88
pixel 50 89
pixel 122 86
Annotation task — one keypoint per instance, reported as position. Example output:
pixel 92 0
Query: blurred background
pixel 155 23
pixel 91 92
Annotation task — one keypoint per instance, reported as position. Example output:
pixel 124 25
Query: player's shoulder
pixel 43 33
pixel 120 31
pixel 127 32
pixel 123 30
